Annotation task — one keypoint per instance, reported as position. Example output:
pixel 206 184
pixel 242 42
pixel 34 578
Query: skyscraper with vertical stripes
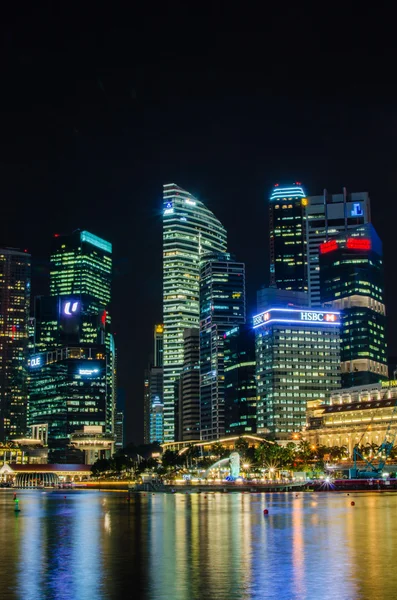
pixel 190 230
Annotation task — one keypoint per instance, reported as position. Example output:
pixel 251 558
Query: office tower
pixel 67 391
pixel 146 407
pixel 190 230
pixel 271 296
pixel 156 421
pixel 15 270
pixel 328 216
pixel 240 381
pixel 287 229
pixel 222 306
pixel 352 281
pixel 81 279
pixel 119 420
pixel 153 384
pixel 189 392
pixel 81 264
pixel 297 360
pixel 119 429
pixel 158 345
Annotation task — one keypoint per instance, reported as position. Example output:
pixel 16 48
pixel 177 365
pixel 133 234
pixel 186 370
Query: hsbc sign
pixel 291 315
pixel 318 316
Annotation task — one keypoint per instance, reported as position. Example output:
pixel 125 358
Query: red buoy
pixel 265 512
pixel 352 503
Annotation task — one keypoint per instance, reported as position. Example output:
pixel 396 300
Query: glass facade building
pixel 67 391
pixel 189 389
pixel 81 264
pixel 327 217
pixel 15 273
pixel 222 306
pixel 287 231
pixel 190 230
pixel 297 360
pixel 156 421
pixel 352 281
pixel 240 381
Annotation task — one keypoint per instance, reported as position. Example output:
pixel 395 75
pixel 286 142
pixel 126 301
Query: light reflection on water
pixel 93 545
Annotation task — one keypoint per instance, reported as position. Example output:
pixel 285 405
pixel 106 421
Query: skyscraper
pixel 352 281
pixel 67 391
pixel 327 216
pixel 15 270
pixel 153 385
pixel 190 230
pixel 81 264
pixel 287 230
pixel 240 381
pixel 222 306
pixel 189 392
pixel 297 360
pixel 72 325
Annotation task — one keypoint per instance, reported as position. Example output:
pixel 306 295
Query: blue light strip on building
pixel 306 317
pixel 86 236
pixel 289 192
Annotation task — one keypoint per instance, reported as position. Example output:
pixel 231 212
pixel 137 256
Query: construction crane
pixel 373 468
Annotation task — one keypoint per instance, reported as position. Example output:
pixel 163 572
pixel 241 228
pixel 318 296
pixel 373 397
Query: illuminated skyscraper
pixel 327 216
pixel 287 229
pixel 81 264
pixel 222 307
pixel 352 281
pixel 190 230
pixel 15 268
pixel 297 360
pixel 153 385
pixel 73 325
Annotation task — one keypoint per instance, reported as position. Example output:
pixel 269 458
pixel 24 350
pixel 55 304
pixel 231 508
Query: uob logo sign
pixel 70 308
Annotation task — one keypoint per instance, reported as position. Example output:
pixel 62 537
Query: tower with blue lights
pixel 297 360
pixel 287 237
pixel 73 365
pixel 222 307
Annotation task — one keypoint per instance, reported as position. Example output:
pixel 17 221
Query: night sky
pixel 99 109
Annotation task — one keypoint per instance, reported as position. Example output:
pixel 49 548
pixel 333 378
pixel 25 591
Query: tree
pixel 171 459
pixel 218 450
pixel 241 446
pixel 100 466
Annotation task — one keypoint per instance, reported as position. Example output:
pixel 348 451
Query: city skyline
pixel 93 130
pixel 137 434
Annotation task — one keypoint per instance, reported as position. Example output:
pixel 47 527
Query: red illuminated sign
pixel 358 244
pixel 328 246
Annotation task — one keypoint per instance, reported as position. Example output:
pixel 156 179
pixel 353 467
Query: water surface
pixel 80 545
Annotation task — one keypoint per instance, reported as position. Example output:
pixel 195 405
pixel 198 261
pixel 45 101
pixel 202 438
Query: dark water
pixel 93 545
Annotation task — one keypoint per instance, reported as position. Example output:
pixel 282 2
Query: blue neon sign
pixel 35 361
pixel 292 315
pixel 357 210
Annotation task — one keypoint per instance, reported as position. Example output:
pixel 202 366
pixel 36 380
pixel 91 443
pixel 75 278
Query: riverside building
pixel 297 360
pixel 190 230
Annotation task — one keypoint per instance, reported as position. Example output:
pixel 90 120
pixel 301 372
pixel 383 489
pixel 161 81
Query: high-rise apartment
pixel 328 216
pixel 297 360
pixel 287 231
pixel 190 230
pixel 222 307
pixel 352 281
pixel 15 271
